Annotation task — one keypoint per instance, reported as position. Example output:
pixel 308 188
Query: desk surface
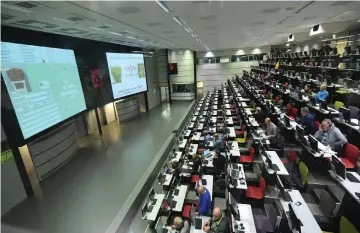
pixel 234 148
pixel 168 178
pixel 350 187
pixel 229 121
pixel 196 136
pixel 241 175
pixel 333 111
pixel 180 198
pixel 347 124
pixel 209 183
pixel 246 219
pixel 326 151
pixel 177 157
pixel 194 150
pixel 182 143
pixel 303 212
pixel 232 133
pixel 274 157
pixel 151 216
pixel 192 228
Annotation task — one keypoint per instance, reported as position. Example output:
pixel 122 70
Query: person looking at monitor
pixel 271 128
pixel 196 160
pixel 329 135
pixel 308 121
pixel 322 95
pixel 204 207
pixel 306 91
pixel 180 225
pixel 217 223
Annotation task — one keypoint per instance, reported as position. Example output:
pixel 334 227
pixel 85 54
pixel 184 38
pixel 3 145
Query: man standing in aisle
pixel 204 207
pixel 308 121
pixel 218 222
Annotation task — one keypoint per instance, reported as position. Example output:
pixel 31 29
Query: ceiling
pixel 215 24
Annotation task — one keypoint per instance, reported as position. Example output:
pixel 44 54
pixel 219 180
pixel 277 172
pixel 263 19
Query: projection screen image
pixel 127 73
pixel 43 84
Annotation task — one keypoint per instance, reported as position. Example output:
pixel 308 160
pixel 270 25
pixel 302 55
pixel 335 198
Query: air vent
pixel 71 31
pixel 154 24
pixel 36 23
pixel 26 5
pixel 74 19
pixel 271 10
pixel 129 10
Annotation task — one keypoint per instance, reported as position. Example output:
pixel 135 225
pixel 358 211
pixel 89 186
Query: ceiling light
pixel 11 7
pixel 334 36
pixel 61 19
pixel 305 7
pixel 287 45
pixel 193 35
pixel 189 30
pixel 341 15
pixel 141 40
pixel 99 29
pixel 115 33
pixel 269 29
pixel 358 21
pixel 163 4
pixel 179 20
pixel 130 37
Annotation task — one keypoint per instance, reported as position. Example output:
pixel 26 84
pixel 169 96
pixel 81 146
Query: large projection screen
pixel 43 84
pixel 127 73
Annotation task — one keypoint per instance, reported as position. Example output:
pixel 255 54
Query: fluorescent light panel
pixel 130 37
pixel 348 12
pixel 189 30
pixel 15 8
pixel 115 33
pixel 61 19
pixel 179 20
pixel 163 4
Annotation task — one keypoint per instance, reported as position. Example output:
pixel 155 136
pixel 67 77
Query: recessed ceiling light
pixel 61 20
pixel 193 35
pixel 115 33
pixel 179 20
pixel 287 45
pixel 99 29
pixel 130 37
pixel 11 7
pixel 189 30
pixel 163 4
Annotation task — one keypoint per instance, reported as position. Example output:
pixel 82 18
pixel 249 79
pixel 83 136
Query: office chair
pixel 254 192
pixel 345 226
pixel 351 155
pixel 338 105
pixel 354 112
pixel 304 172
pixel 317 125
pixel 242 140
pixel 248 159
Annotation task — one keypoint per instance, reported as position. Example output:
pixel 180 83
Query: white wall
pixel 212 75
pixel 152 81
pixel 185 64
pixel 160 56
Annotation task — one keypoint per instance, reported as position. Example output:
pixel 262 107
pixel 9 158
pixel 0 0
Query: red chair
pixel 195 178
pixel 288 109
pixel 249 158
pixel 293 113
pixel 351 156
pixel 186 211
pixel 291 158
pixel 241 132
pixel 286 85
pixel 256 192
pixel 200 150
pixel 317 125
pixel 166 205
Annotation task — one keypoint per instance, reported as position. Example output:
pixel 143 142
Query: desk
pixel 246 219
pixel 200 127
pixel 194 149
pixel 212 129
pixel 326 151
pixel 350 187
pixel 180 198
pixel 196 136
pixel 214 113
pixel 274 157
pixel 187 134
pixel 176 157
pixel 204 220
pixel 248 112
pixel 213 120
pixel 302 211
pixel 244 104
pixel 168 179
pixel 355 121
pixel 241 99
pixel 214 107
pixel 227 106
pixel 191 125
pixel 227 112
pixel 151 216
pixel 229 121
pixel 193 118
pixel 182 144
pixel 234 149
pixel 196 113
pixel 241 176
pixel 209 183
pixel 232 133
pixel 253 122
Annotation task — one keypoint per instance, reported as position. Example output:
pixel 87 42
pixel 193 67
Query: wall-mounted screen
pixel 43 84
pixel 127 73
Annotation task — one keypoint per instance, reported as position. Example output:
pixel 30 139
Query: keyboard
pixel 352 124
pixel 198 223
pixel 274 167
pixel 352 178
pixel 173 204
pixel 203 181
pixel 150 208
pixel 176 192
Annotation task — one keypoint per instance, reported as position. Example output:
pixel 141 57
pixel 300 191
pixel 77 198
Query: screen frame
pixel 131 95
pixel 16 134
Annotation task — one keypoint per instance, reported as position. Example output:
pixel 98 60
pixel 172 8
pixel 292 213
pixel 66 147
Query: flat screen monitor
pixel 144 209
pixel 300 131
pixel 345 113
pixel 233 207
pixel 296 223
pixel 152 194
pixel 339 166
pixel 127 73
pixel 313 142
pixel 43 84
pixel 287 121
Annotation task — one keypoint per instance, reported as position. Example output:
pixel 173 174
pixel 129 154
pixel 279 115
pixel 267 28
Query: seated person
pixel 220 143
pixel 259 115
pixel 271 128
pixel 180 225
pixel 306 91
pixel 322 95
pixel 219 162
pixel 329 135
pixel 204 207
pixel 218 222
pixel 196 160
pixel 308 121
pixel 277 142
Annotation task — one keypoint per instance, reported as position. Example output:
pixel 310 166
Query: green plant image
pixel 141 70
pixel 116 73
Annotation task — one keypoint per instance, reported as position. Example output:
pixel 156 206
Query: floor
pixel 87 193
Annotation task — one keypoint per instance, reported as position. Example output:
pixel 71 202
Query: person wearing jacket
pixel 308 121
pixel 204 207
pixel 322 95
pixel 330 135
pixel 180 225
pixel 218 222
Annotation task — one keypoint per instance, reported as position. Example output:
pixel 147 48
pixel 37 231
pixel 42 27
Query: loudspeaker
pixel 290 36
pixel 316 27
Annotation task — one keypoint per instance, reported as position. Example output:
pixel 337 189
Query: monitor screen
pixel 144 209
pixel 340 167
pixel 313 142
pixel 43 84
pixel 233 205
pixel 152 194
pixel 127 73
pixel 345 113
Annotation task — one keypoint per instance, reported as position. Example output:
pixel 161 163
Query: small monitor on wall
pixel 173 68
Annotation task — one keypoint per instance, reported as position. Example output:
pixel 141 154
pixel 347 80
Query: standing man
pixel 308 121
pixel 218 223
pixel 204 207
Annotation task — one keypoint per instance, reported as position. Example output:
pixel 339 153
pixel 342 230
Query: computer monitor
pixel 152 194
pixel 345 113
pixel 284 194
pixel 161 178
pixel 313 142
pixel 233 207
pixel 313 101
pixel 287 121
pixel 300 131
pixel 295 221
pixel 144 209
pixel 339 166
pixel 166 168
pixel 323 105
pixel 159 226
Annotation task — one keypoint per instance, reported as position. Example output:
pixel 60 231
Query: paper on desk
pixel 244 213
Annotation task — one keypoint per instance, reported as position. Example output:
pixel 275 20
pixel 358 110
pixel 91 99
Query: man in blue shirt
pixel 204 207
pixel 322 95
pixel 308 121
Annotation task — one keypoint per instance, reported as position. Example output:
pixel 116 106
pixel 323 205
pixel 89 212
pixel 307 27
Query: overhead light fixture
pixel 115 33
pixel 130 37
pixel 163 4
pixel 179 20
pixel 193 35
pixel 284 20
pixel 305 7
pixel 348 12
pixel 61 20
pixel 287 45
pixel 334 36
pixel 11 7
pixel 99 29
pixel 358 21
pixel 189 30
